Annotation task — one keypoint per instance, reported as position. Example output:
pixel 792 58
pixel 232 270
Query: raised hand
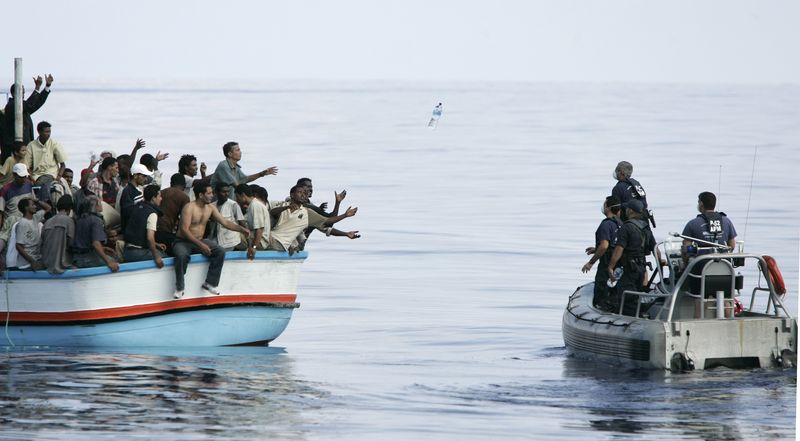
pixel 350 212
pixel 203 169
pixel 140 144
pixel 323 206
pixel 269 171
pixel 48 80
pixel 37 81
pixel 161 156
pixel 340 196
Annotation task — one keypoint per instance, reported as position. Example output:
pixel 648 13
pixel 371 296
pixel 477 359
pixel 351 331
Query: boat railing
pixel 639 295
pixel 716 272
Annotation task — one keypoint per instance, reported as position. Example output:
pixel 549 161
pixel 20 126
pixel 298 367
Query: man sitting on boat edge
pixel 140 231
pixel 194 218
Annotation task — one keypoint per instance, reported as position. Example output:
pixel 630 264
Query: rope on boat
pixel 595 321
pixel 8 308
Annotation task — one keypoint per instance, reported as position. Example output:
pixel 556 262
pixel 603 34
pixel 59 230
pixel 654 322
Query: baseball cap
pixel 140 169
pixel 20 170
pixel 635 205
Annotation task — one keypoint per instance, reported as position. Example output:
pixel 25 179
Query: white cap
pixel 20 170
pixel 140 169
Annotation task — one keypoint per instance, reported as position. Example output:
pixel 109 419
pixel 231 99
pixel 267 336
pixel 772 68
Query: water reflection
pixel 244 392
pixel 713 404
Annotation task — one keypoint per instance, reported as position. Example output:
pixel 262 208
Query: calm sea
pixel 444 320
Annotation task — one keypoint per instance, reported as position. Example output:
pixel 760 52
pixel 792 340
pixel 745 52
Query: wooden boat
pixel 135 306
pixel 690 319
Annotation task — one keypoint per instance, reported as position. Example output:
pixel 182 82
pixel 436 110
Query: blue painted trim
pixel 148 264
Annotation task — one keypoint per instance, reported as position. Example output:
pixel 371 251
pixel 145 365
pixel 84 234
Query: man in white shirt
pixel 258 219
pixel 231 211
pixel 293 217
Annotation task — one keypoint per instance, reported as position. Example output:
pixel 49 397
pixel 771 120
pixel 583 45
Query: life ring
pixel 775 275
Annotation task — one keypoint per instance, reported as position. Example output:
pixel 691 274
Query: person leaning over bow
pixel 140 230
pixel 293 217
pixel 194 219
pixel 230 171
pixel 90 235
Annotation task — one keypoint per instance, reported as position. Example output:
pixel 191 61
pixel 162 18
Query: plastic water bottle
pixel 437 113
pixel 617 275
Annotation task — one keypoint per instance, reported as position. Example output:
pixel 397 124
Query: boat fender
pixel 775 275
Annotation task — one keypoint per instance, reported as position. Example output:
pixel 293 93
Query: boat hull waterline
pixel 135 307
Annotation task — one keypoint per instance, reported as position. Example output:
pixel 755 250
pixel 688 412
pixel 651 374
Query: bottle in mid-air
pixel 437 113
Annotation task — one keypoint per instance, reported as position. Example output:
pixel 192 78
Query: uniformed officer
pixel 628 188
pixel 634 242
pixel 710 225
pixel 605 239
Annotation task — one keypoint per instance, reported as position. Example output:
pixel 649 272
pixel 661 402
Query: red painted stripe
pixel 132 311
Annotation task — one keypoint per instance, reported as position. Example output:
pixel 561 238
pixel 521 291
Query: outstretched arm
pixel 268 171
pixel 350 234
pixel 349 213
pixel 233 226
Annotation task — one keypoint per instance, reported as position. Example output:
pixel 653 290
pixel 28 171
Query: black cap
pixel 635 205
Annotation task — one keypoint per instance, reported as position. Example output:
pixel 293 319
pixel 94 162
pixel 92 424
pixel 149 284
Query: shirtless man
pixel 194 217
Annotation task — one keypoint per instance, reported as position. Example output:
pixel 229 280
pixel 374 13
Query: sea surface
pixel 443 321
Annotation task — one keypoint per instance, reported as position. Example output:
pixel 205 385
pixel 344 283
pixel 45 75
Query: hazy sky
pixel 663 41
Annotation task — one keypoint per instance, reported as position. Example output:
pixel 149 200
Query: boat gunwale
pixel 148 264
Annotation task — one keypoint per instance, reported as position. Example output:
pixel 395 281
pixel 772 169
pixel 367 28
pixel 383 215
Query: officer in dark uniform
pixel 628 188
pixel 605 239
pixel 634 242
pixel 710 225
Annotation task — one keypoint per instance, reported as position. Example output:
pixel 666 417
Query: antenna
pixel 750 194
pixel 719 187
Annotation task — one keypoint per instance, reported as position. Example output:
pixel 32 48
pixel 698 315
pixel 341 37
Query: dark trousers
pixel 631 280
pixel 132 254
pixel 183 249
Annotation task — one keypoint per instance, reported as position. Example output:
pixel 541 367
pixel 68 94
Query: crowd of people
pixel 624 239
pixel 118 212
